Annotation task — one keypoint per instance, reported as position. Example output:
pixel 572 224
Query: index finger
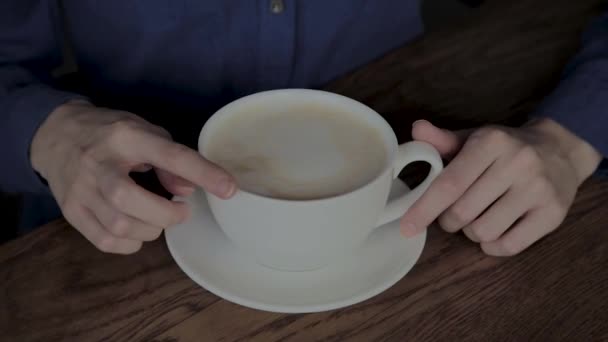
pixel 450 185
pixel 186 163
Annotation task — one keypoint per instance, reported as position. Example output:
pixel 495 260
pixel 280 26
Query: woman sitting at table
pixel 158 63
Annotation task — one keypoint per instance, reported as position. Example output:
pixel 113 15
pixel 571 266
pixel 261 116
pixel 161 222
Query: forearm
pixel 582 156
pixel 29 49
pixel 580 101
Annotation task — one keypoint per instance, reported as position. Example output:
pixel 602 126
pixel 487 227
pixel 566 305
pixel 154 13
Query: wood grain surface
pixel 493 67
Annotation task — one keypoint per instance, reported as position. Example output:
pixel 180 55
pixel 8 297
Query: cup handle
pixel 408 153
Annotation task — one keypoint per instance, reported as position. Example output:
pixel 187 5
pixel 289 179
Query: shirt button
pixel 277 6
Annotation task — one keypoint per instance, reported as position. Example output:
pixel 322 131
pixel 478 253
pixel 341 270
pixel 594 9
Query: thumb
pixel 447 143
pixel 174 184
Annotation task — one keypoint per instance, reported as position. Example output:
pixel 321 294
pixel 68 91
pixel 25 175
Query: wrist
pixel 583 157
pixel 45 141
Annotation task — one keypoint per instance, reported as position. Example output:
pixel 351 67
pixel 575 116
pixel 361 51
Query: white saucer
pixel 205 254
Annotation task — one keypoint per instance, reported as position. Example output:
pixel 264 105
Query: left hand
pixel 505 188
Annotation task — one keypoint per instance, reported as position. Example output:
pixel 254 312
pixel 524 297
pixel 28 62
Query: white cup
pixel 295 235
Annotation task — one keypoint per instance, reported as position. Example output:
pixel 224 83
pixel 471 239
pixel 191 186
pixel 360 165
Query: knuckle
pixel 106 243
pixel 136 247
pixel 468 233
pixel 69 208
pixel 484 235
pixel 509 247
pixel 558 210
pixel 71 203
pixel 481 132
pixel 118 196
pixel 175 153
pixel 489 248
pixel 88 159
pixel 446 224
pixel 458 215
pixel 529 158
pixel 543 188
pixel 493 135
pixel 178 150
pixel 448 185
pixel 562 208
pixel 161 131
pixel 172 218
pixel 119 226
pixel 120 130
pixel 155 234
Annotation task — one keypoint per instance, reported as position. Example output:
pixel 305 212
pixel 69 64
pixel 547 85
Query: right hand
pixel 86 153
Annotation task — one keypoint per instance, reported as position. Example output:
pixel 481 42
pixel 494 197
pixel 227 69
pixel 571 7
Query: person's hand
pixel 505 188
pixel 85 154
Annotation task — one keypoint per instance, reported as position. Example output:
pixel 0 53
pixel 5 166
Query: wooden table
pixel 492 68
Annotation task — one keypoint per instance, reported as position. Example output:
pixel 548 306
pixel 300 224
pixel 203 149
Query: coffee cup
pixel 289 232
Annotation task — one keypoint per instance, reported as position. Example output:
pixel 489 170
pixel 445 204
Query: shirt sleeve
pixel 30 47
pixel 580 101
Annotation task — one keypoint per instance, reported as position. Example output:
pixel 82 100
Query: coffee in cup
pixel 297 151
pixel 314 171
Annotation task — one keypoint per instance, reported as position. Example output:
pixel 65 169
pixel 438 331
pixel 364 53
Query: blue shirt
pixel 172 60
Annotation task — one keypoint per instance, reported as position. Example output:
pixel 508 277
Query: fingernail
pixel 417 121
pixel 188 213
pixel 184 212
pixel 408 229
pixel 185 190
pixel 226 188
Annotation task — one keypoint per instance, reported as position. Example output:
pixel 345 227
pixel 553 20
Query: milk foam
pixel 298 152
